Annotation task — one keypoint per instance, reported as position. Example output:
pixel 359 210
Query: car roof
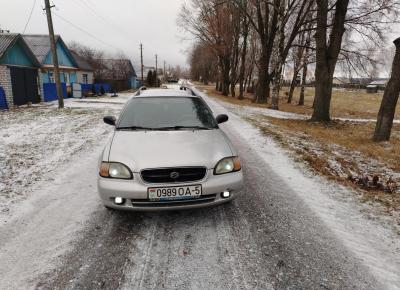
pixel 165 93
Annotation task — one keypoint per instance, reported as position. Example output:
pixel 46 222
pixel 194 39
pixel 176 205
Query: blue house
pixel 18 72
pixel 40 46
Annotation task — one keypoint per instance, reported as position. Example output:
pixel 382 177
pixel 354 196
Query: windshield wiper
pixel 134 128
pixel 183 127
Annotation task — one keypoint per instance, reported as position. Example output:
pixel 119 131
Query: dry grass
pixel 345 103
pixel 353 136
pixel 359 169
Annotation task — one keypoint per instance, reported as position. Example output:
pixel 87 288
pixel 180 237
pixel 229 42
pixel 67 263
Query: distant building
pixel 18 72
pixel 340 81
pixel 376 85
pixel 118 73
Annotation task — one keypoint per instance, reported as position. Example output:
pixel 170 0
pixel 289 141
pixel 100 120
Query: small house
pixel 376 85
pixel 118 73
pixel 18 72
pixel 40 46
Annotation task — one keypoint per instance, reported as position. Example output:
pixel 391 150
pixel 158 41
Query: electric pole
pixel 141 60
pixel 164 72
pixel 54 54
pixel 156 72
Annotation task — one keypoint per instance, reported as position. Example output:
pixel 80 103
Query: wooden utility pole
pixel 156 70
pixel 141 60
pixel 54 54
pixel 164 72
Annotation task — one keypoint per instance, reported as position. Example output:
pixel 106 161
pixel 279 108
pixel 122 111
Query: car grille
pixel 173 175
pixel 148 203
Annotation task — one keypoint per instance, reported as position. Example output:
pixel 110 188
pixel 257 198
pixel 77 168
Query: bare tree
pixel 369 19
pixel 389 101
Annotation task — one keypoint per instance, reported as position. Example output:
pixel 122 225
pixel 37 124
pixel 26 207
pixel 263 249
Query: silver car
pixel 168 152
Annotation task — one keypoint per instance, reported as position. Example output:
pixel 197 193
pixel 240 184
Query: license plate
pixel 174 192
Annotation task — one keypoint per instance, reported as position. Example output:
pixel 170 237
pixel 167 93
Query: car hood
pixel 152 149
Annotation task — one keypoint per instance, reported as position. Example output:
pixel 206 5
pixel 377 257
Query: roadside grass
pixel 351 135
pixel 354 104
pixel 343 151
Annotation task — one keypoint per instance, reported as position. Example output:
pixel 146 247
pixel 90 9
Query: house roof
pixel 379 82
pixel 81 62
pixel 117 69
pixel 40 45
pixel 7 40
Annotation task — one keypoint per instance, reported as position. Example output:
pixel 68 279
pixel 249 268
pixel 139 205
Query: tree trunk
pixel 243 60
pixel 323 94
pixel 303 82
pixel 327 52
pixel 292 87
pixel 279 58
pixel 233 86
pixel 225 77
pixel 387 110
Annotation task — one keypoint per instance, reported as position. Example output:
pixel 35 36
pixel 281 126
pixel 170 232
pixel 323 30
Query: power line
pixel 30 15
pixel 84 31
pixel 104 20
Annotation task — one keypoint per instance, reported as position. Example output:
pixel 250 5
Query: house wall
pixel 79 75
pixel 5 82
pixel 63 57
pixel 72 76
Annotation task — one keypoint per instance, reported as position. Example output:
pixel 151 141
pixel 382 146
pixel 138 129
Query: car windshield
pixel 167 113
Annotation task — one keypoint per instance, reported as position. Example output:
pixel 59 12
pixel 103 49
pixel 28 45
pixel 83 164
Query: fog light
pixel 225 194
pixel 119 200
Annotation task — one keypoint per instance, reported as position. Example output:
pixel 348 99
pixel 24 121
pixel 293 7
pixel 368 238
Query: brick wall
pixel 5 83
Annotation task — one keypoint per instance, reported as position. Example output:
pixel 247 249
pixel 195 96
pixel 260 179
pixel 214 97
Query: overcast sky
pixel 118 25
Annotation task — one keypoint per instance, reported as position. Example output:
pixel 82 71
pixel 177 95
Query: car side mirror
pixel 110 120
pixel 221 118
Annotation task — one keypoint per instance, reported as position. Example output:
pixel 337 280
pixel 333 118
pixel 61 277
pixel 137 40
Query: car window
pixel 161 112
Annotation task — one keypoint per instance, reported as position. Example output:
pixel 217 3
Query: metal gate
pixel 24 85
pixel 76 90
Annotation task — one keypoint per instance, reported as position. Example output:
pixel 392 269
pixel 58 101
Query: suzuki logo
pixel 174 175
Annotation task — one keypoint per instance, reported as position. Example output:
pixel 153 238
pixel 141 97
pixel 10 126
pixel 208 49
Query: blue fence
pixel 50 91
pixel 3 100
pixel 106 88
pixel 86 89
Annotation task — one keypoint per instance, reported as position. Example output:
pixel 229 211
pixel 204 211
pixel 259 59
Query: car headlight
pixel 228 164
pixel 115 170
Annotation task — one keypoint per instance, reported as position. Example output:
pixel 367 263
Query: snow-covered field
pixel 35 141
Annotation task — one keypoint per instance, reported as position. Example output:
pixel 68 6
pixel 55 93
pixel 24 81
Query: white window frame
pixel 85 78
pixel 51 77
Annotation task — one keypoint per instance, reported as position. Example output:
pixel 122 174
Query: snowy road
pixel 285 231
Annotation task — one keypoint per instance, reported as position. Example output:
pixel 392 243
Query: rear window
pixel 158 112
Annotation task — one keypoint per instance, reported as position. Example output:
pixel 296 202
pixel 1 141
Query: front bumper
pixel 135 192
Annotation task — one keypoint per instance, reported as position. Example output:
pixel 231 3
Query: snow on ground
pixel 35 141
pixel 364 229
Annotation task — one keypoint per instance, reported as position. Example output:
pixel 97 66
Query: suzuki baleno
pixel 168 152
